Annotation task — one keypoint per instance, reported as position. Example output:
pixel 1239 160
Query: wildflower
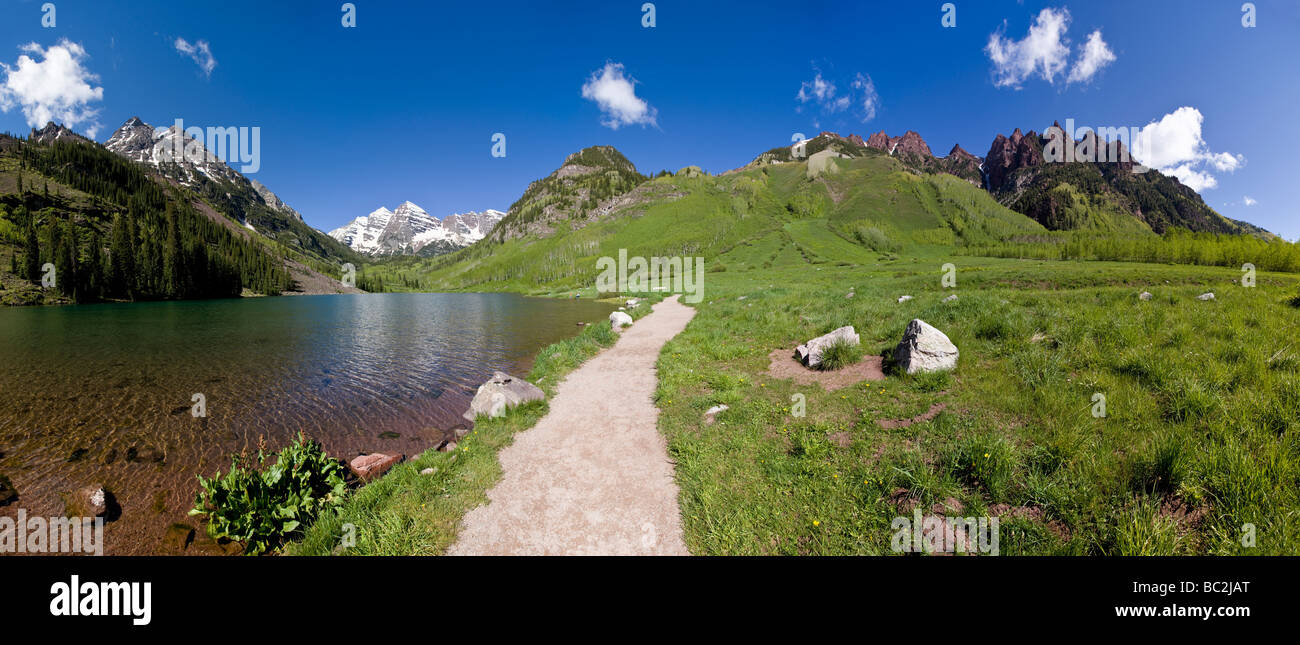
pixel 817 522
pixel 986 455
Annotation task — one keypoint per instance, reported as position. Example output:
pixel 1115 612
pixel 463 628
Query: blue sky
pixel 404 105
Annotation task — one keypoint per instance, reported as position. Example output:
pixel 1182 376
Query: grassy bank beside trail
pixel 1197 449
pixel 406 513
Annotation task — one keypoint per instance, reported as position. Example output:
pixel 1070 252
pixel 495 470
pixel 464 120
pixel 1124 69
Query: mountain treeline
pixel 136 240
pixel 1175 246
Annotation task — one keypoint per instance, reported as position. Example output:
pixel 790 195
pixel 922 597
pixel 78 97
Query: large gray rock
pixel 925 349
pixel 810 353
pixel 501 393
pixel 619 319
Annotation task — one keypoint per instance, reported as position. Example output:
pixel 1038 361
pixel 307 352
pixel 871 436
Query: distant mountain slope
pixel 1103 195
pixel 229 192
pixel 583 188
pixel 837 209
pixel 410 230
pixel 115 228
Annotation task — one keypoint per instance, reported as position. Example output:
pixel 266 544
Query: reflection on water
pixel 102 393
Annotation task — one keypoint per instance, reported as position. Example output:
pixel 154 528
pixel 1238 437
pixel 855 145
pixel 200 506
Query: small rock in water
pixel 1206 296
pixel 178 536
pixel 91 501
pixel 389 435
pixel 7 491
pixel 618 320
pixel 904 298
pixel 78 455
pixel 145 455
pixel 810 353
pixel 925 349
pixel 1145 295
pixel 950 298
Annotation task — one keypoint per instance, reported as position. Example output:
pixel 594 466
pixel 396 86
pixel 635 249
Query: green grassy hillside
pixel 760 216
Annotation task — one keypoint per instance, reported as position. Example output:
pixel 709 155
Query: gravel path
pixel 593 476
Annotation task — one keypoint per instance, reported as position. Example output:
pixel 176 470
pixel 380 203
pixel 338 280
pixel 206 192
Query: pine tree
pixel 121 259
pixel 32 255
pixel 171 269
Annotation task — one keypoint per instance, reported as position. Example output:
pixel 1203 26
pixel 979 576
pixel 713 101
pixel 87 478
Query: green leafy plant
pixel 262 505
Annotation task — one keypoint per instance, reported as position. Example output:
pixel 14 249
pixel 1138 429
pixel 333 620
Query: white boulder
pixel 501 393
pixel 1145 295
pixel 902 299
pixel 1206 296
pixel 619 319
pixel 810 353
pixel 925 349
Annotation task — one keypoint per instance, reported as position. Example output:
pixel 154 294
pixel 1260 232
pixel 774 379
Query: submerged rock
pixel 178 537
pixel 810 353
pixel 367 468
pixel 91 501
pixel 925 349
pixel 7 491
pixel 619 319
pixel 501 393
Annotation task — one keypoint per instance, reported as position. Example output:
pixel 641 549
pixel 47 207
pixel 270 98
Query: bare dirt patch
pixel 892 424
pixel 1183 513
pixel 783 365
pixel 1032 513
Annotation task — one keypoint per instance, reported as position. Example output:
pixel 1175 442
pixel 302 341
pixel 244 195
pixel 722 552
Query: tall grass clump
pixel 840 354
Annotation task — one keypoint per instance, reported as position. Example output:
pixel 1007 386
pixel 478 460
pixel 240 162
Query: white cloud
pixel 56 88
pixel 1174 145
pixel 1248 200
pixel 200 52
pixel 862 98
pixel 1095 55
pixel 1044 52
pixel 868 100
pixel 820 89
pixel 1041 52
pixel 615 93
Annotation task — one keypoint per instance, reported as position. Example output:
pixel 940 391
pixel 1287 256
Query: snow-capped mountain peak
pixel 409 229
pixel 183 159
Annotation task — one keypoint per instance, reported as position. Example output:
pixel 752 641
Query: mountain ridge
pixel 410 230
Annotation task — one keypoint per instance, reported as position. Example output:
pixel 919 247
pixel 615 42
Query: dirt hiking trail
pixel 593 476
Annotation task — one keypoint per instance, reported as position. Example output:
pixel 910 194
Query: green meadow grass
pixel 1202 408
